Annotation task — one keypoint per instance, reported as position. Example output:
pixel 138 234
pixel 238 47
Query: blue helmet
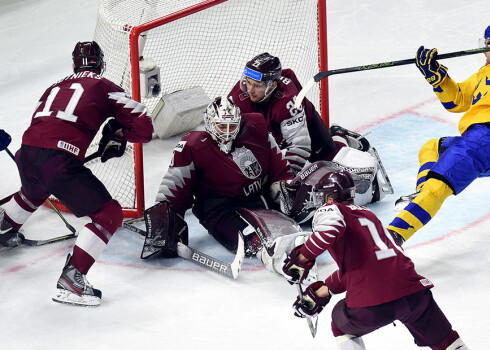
pixel 486 35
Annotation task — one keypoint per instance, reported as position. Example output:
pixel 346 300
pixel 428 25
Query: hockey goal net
pixel 205 44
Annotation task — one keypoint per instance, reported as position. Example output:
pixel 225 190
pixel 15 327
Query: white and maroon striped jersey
pixel 372 268
pixel 71 111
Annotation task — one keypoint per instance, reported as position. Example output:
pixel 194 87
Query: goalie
pixel 230 175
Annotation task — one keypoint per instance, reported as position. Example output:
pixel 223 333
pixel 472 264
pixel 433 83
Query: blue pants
pixel 464 158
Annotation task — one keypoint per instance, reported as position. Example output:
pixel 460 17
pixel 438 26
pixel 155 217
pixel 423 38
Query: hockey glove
pixel 112 144
pixel 294 269
pixel 311 304
pixel 426 61
pixel 4 139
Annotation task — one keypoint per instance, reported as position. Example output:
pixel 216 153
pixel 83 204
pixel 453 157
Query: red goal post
pixel 205 44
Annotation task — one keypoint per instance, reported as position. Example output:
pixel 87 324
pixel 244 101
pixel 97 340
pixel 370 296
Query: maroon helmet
pixel 88 55
pixel 263 67
pixel 314 183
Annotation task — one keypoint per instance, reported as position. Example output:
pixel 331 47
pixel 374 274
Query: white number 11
pixel 67 114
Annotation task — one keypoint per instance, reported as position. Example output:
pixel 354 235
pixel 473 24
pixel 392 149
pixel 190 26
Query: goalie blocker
pixel 164 229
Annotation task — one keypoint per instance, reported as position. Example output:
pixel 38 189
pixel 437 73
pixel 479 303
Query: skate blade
pixel 64 296
pixel 400 206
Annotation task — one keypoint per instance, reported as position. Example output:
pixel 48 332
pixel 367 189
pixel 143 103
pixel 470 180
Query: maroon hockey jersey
pixel 372 269
pixel 288 125
pixel 199 169
pixel 71 111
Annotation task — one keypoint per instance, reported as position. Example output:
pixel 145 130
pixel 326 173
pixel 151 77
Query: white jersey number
pixel 67 114
pixel 384 252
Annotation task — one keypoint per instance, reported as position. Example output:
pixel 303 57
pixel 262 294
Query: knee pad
pixel 429 151
pixel 110 216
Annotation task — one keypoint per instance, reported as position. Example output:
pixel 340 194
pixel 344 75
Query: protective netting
pixel 208 48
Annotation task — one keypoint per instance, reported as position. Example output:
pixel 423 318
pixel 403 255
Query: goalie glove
pixel 164 229
pixel 426 61
pixel 311 304
pixel 112 144
pixel 295 270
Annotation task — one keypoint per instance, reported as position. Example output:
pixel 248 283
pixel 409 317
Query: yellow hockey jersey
pixel 471 96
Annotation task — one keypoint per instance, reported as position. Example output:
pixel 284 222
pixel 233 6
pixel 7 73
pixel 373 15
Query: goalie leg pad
pixel 164 229
pixel 363 168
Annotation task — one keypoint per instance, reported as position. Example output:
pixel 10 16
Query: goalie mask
pixel 88 55
pixel 222 122
pixel 315 183
pixel 260 73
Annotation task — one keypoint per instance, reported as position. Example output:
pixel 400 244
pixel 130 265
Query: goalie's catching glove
pixel 112 144
pixel 296 271
pixel 311 304
pixel 426 61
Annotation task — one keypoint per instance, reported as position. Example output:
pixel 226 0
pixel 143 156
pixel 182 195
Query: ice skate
pixel 403 201
pixel 74 289
pixel 9 237
pixel 354 140
pixel 397 237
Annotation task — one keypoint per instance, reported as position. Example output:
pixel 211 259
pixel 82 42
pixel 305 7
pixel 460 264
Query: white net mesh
pixel 208 48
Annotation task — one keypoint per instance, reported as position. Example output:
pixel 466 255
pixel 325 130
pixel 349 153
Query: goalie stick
pixel 230 270
pixel 322 75
pixel 312 321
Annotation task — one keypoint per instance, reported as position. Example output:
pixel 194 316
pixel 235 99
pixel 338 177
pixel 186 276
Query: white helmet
pixel 222 122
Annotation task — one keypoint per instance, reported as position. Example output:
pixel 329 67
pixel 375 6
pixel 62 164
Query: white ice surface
pixel 173 303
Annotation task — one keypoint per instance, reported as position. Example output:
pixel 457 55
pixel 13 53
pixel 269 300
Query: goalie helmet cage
pixel 201 43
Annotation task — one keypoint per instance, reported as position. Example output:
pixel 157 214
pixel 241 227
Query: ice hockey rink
pixel 175 304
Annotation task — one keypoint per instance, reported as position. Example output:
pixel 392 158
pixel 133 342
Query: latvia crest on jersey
pixel 246 161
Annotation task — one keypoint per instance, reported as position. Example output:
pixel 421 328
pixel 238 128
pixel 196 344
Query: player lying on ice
pixel 50 161
pixel 229 175
pixel 449 164
pixel 301 134
pixel 380 281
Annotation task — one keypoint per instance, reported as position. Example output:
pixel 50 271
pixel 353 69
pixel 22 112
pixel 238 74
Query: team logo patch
pixel 247 162
pixel 180 146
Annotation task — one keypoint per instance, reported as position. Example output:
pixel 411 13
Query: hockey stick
pixel 70 227
pixel 322 75
pixel 92 156
pixel 230 270
pixel 35 242
pixel 313 326
pixel 6 199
